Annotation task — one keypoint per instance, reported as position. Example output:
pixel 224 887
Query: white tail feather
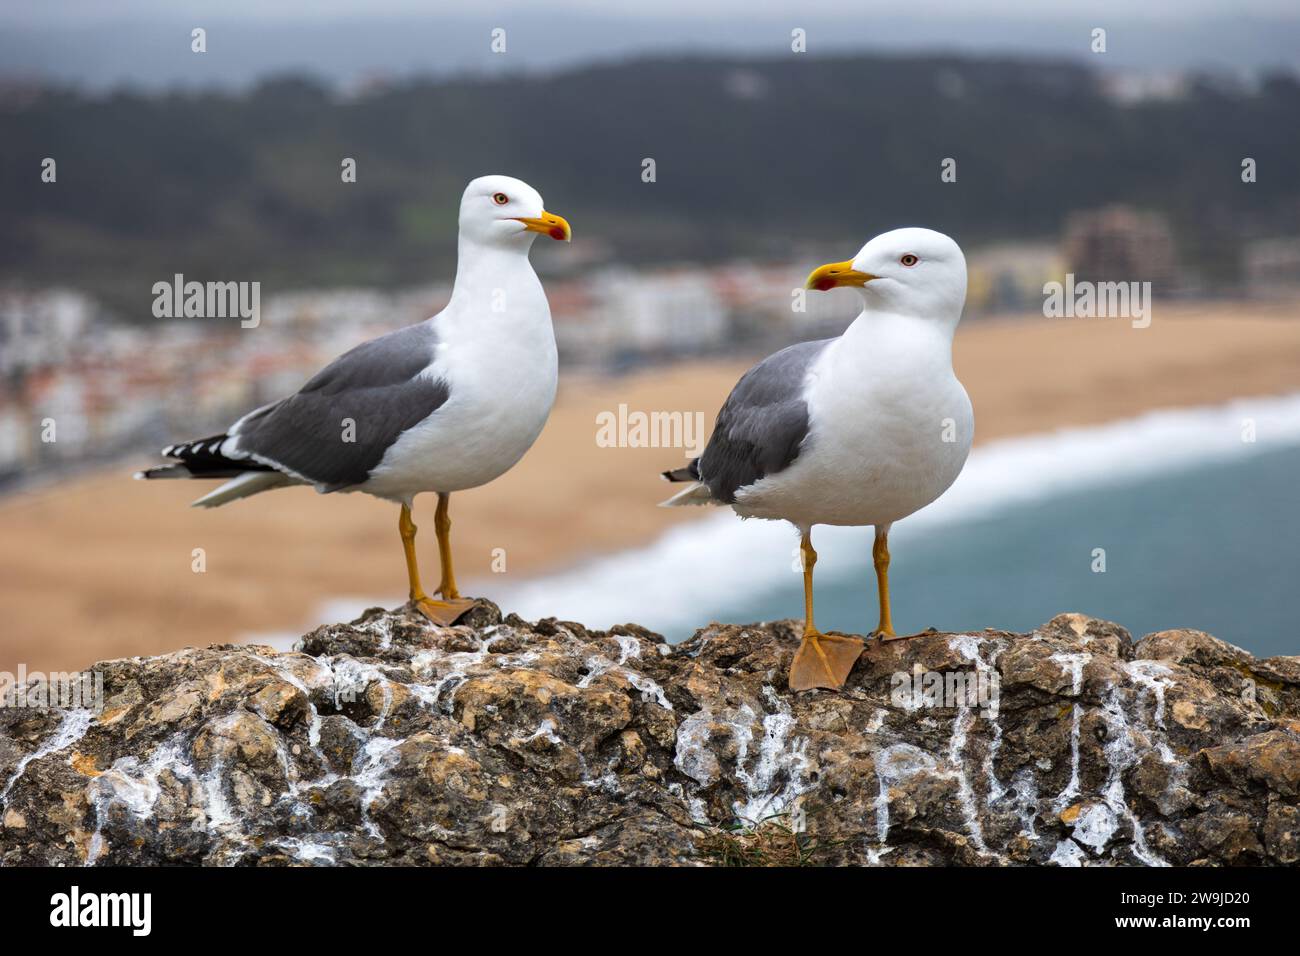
pixel 696 493
pixel 249 483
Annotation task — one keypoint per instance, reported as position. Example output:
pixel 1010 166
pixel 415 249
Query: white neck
pixel 882 332
pixel 496 280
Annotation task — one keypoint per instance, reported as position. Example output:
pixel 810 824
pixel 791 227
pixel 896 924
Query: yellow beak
pixel 836 274
pixel 549 224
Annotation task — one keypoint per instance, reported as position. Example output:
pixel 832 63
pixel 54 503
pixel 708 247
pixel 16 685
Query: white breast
pixel 501 369
pixel 890 429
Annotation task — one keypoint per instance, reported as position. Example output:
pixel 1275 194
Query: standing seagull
pixel 863 429
pixel 448 404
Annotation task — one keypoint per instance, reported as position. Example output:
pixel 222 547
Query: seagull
pixel 863 429
pixel 448 404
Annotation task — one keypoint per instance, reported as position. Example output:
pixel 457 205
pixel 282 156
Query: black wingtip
pixel 162 471
pixel 689 473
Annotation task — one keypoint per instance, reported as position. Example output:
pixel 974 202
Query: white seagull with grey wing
pixel 863 429
pixel 442 406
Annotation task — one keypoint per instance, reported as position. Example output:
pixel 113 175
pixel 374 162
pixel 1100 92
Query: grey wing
pixel 337 428
pixel 762 425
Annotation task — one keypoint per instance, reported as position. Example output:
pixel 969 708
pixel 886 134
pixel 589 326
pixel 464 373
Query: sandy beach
pixel 102 566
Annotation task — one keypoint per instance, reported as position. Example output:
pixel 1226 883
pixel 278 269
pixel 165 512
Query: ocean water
pixel 1199 529
pixel 1215 548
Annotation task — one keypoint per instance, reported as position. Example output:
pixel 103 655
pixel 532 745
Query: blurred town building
pixel 1121 244
pixel 1008 278
pixel 1271 268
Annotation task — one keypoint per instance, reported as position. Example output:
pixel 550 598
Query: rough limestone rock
pixel 389 740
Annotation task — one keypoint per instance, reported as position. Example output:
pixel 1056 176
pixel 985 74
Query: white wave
pixel 694 566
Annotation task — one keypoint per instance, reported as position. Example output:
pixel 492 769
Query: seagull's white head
pixel 504 211
pixel 912 271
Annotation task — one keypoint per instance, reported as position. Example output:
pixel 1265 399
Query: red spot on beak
pixel 824 285
pixel 557 232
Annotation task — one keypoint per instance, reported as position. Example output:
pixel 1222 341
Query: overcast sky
pixel 106 44
pixel 55 12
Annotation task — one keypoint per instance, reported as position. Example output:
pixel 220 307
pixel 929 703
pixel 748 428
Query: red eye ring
pixel 909 260
pixel 500 198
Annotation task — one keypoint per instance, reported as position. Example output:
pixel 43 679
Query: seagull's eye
pixel 909 260
pixel 500 198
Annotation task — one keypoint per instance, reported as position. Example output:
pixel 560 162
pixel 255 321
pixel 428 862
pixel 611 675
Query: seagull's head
pixel 504 211
pixel 911 271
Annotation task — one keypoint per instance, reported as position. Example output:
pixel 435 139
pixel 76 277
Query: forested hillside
pixel 752 157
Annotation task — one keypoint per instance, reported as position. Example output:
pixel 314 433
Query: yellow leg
pixel 880 558
pixel 440 612
pixel 809 562
pixel 822 660
pixel 442 525
pixel 406 528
